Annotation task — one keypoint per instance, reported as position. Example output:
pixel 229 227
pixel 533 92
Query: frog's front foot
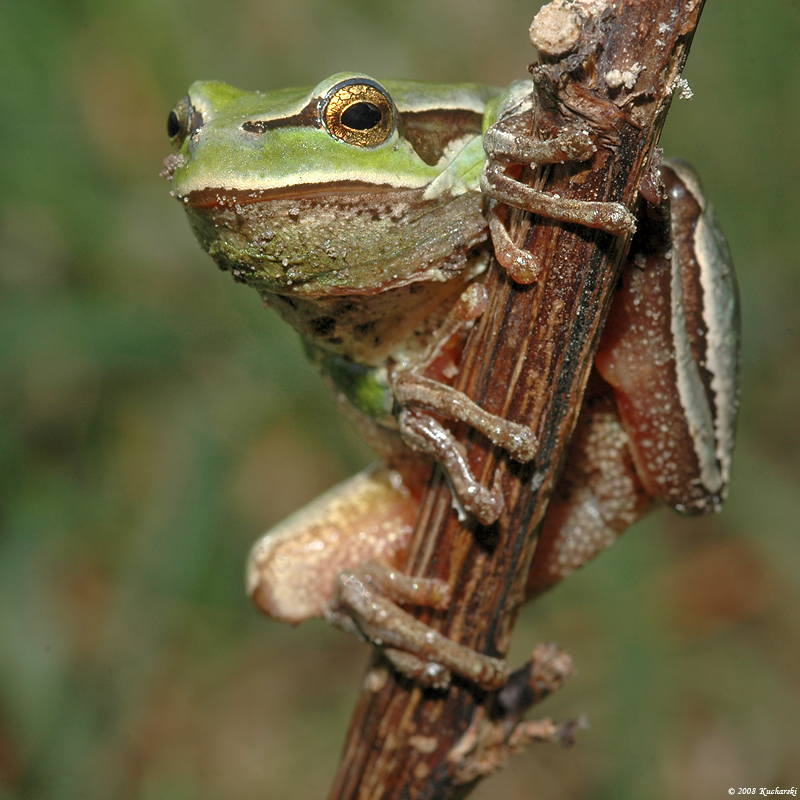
pixel 366 601
pixel 426 434
pixel 507 143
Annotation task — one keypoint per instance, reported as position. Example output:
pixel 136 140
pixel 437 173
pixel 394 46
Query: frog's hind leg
pixel 598 495
pixel 336 559
pixel 293 569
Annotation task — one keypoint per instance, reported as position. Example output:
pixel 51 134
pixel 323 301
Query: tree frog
pixel 365 213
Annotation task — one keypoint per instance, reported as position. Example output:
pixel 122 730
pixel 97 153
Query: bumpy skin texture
pixel 370 241
pixel 677 395
pixel 598 495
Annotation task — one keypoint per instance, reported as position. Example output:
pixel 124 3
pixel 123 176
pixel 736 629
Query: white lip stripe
pixel 256 183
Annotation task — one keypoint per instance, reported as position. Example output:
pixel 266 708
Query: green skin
pixel 364 249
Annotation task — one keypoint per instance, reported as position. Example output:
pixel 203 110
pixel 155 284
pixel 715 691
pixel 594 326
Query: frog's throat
pixel 348 244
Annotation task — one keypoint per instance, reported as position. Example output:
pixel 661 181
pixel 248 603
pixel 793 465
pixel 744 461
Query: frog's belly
pixel 401 324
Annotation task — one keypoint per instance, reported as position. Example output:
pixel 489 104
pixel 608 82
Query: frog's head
pixel 348 187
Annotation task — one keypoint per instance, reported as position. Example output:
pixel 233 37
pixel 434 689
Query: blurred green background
pixel 155 420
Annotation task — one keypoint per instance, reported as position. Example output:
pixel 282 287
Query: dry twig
pixel 612 65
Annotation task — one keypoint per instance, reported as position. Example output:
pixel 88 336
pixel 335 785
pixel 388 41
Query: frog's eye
pixel 183 121
pixel 359 112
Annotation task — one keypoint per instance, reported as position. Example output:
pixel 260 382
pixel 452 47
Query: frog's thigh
pixel 293 568
pixel 597 497
pixel 671 432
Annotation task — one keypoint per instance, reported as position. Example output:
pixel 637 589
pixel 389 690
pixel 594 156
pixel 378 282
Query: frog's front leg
pixel 416 393
pixel 422 432
pixel 427 435
pixel 507 143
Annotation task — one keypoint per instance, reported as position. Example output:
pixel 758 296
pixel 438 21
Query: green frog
pixel 365 213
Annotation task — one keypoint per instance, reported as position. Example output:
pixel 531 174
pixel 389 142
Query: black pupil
pixel 361 116
pixel 173 125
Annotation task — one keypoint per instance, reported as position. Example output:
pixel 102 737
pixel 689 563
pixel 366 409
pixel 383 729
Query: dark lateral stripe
pixel 430 131
pixel 711 304
pixel 307 118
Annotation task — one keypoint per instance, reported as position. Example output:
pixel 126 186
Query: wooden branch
pixel 612 66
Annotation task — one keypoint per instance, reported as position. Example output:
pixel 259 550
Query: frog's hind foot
pixel 366 602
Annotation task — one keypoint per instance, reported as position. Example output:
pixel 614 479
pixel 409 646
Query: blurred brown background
pixel 155 420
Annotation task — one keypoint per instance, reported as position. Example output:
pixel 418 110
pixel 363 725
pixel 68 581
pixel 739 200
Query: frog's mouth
pixel 223 196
